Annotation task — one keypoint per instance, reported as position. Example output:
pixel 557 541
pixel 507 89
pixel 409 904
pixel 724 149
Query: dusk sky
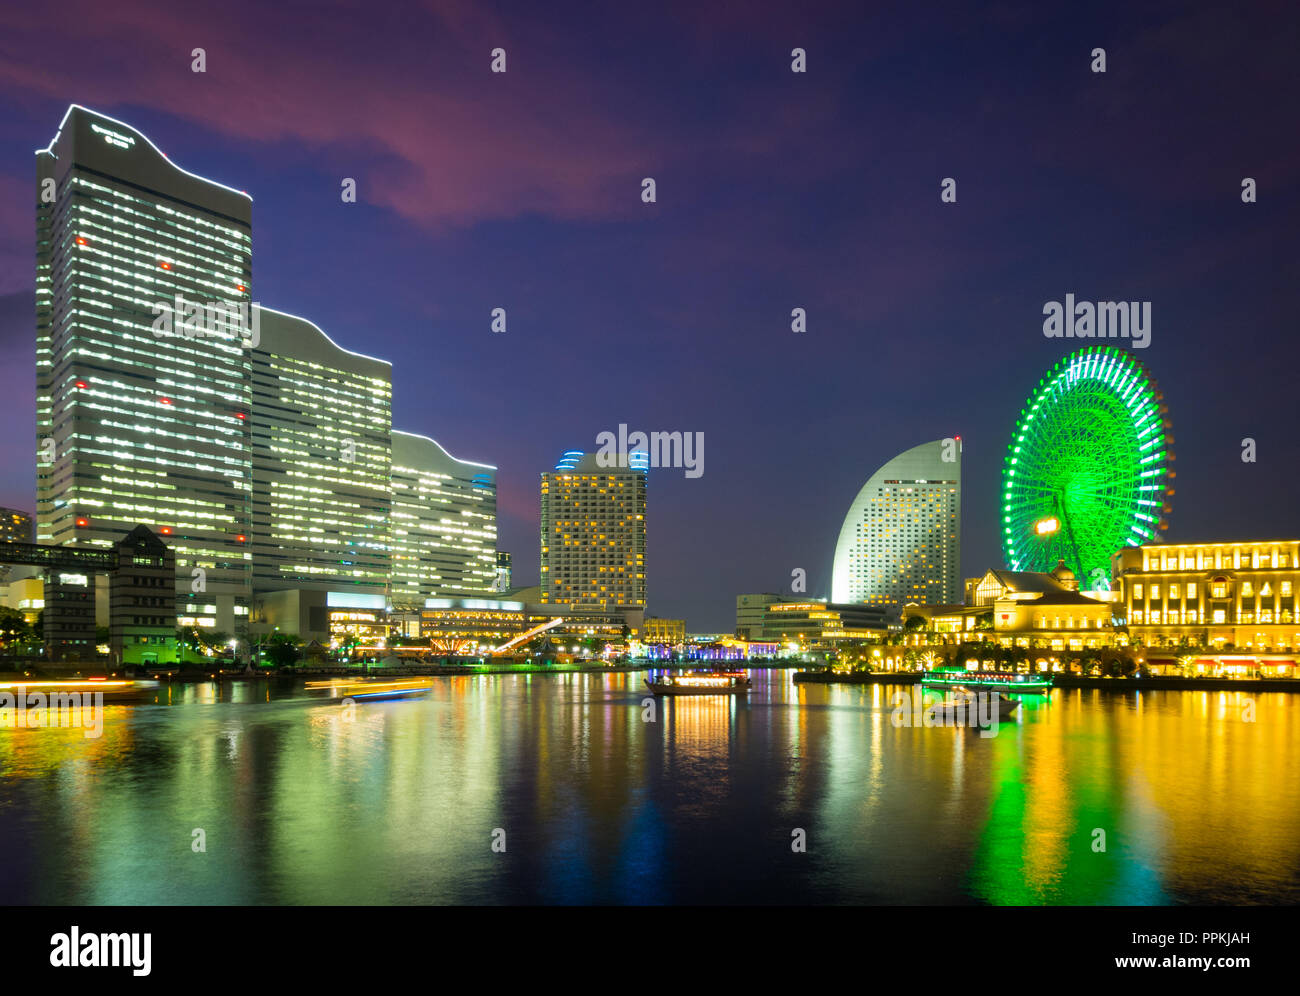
pixel 775 190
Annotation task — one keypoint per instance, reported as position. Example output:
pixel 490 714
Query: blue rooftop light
pixel 570 460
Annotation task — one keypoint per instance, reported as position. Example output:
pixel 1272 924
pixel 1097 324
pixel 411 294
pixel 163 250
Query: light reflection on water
pixel 299 805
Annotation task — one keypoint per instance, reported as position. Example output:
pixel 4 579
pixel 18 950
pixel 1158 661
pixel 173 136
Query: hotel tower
pixel 901 538
pixel 593 533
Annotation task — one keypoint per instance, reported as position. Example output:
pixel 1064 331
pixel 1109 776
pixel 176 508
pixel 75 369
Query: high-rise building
pixel 255 447
pixel 139 419
pixel 901 539
pixel 321 425
pixel 444 528
pixel 593 533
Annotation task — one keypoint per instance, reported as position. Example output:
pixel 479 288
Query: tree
pixel 13 627
pixel 282 649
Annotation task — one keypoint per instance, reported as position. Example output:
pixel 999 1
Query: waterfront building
pixel 720 648
pixel 822 625
pixel 329 618
pixel 321 423
pixel 471 625
pixel 137 421
pixel 15 526
pixel 751 611
pixel 593 534
pixel 901 539
pixel 1026 609
pixel 257 448
pixel 664 632
pixel 444 530
pixel 1233 595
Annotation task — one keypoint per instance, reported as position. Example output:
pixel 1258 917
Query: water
pixel 299 806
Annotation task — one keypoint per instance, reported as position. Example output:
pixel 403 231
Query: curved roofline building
pixel 901 538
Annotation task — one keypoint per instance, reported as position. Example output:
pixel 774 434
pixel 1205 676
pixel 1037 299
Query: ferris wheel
pixel 1087 470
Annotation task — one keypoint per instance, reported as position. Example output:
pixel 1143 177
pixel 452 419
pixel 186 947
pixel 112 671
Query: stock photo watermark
pixel 681 450
pixel 208 320
pixel 976 710
pixel 1100 320
pixel 21 709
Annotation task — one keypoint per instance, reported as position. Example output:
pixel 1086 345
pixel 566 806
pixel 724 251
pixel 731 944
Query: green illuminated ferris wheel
pixel 1087 471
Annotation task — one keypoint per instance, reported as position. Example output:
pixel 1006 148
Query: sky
pixel 775 190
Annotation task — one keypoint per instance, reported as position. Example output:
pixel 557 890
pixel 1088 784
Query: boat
pixel 378 690
pixel 1007 682
pixel 699 682
pixel 965 709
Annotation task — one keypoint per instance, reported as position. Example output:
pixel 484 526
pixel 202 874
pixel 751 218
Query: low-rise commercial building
pixel 815 624
pixel 1026 609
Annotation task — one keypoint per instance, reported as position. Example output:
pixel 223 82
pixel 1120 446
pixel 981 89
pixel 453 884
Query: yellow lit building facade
pixel 593 534
pixel 668 632
pixel 1234 595
pixel 1026 609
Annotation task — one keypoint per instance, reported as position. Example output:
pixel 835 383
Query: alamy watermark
pixel 656 449
pixel 1102 320
pixel 208 319
pixel 20 709
pixel 102 950
pixel 976 710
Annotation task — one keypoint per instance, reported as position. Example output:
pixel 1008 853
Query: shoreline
pixel 371 671
pixel 1074 681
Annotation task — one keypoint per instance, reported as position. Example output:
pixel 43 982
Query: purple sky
pixel 775 190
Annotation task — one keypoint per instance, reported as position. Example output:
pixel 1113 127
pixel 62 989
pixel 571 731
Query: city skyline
pixel 358 545
pixel 415 275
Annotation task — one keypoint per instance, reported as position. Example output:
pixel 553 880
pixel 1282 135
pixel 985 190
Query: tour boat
pixel 699 683
pixel 1002 681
